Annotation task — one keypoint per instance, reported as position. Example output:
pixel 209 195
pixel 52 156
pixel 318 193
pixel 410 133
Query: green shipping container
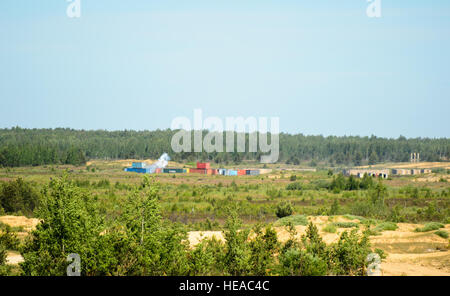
pixel 173 171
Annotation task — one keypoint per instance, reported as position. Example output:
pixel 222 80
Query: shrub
pixel 237 253
pixel 353 217
pixel 308 259
pixel 334 210
pixel 262 249
pixel 294 220
pixel 430 227
pixel 295 262
pixel 18 196
pixel 442 233
pixel 284 209
pixel 386 226
pixel 345 224
pixel 2 254
pixel 8 239
pixel 348 255
pixel 381 253
pixel 330 228
pixel 294 186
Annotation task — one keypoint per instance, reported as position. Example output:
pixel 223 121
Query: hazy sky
pixel 322 66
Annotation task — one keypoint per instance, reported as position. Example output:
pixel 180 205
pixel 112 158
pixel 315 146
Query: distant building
pixel 402 172
pixel 405 172
pixel 383 173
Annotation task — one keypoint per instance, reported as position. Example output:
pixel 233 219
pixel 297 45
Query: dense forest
pixel 25 147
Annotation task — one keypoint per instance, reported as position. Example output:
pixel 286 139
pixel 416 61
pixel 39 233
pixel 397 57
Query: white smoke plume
pixel 160 163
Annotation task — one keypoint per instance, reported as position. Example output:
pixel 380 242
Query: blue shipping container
pixel 139 165
pixel 254 172
pixel 136 170
pixel 232 173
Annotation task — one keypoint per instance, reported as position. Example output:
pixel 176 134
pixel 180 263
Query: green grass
pixel 294 219
pixel 386 226
pixel 353 217
pixel 372 232
pixel 345 224
pixel 442 233
pixel 430 227
pixel 330 228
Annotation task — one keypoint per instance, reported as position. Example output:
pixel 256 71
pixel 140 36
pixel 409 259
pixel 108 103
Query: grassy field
pixel 199 203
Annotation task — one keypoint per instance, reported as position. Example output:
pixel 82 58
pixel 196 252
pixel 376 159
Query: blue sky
pixel 323 67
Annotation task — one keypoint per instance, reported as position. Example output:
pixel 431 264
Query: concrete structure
pixel 415 157
pixel 405 172
pixel 384 173
pixel 415 172
pixel 402 172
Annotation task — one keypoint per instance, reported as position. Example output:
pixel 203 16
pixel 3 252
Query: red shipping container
pixel 203 165
pixel 242 172
pixel 198 171
pixel 211 171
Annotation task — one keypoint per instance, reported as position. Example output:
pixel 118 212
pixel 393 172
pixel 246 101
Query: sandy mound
pixel 20 221
pixel 195 237
pixel 13 258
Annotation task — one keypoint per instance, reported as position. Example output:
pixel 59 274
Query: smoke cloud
pixel 160 163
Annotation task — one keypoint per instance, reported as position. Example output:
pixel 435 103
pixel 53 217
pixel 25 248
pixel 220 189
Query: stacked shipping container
pixel 202 168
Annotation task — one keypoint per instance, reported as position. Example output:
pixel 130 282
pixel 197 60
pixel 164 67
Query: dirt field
pixel 409 253
pixel 20 221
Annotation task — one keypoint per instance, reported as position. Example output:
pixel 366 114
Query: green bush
pixel 294 186
pixel 295 262
pixel 430 227
pixel 381 253
pixel 2 254
pixel 18 197
pixel 386 226
pixel 8 239
pixel 330 228
pixel 353 217
pixel 284 209
pixel 345 224
pixel 294 220
pixel 348 255
pixel 442 233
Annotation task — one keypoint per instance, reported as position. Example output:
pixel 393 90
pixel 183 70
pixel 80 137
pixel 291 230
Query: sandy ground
pixel 20 221
pixel 13 258
pixel 28 225
pixel 409 253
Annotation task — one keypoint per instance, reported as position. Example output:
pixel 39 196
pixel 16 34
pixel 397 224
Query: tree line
pixel 33 147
